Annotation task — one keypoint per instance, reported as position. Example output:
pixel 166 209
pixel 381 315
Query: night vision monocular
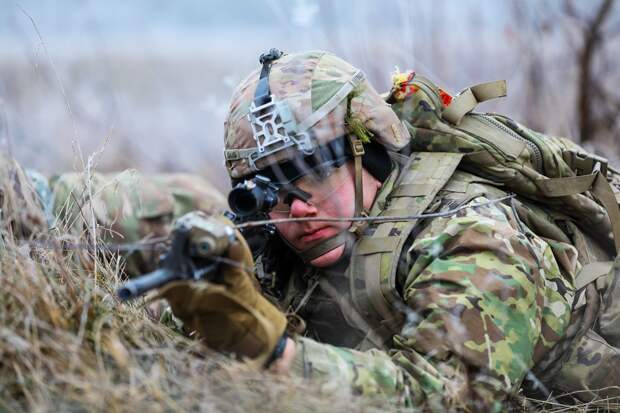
pixel 253 197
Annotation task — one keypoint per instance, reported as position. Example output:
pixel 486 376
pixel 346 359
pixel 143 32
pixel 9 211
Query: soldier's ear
pixel 376 161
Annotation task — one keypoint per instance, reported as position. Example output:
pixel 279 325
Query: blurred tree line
pixel 590 36
pixel 146 84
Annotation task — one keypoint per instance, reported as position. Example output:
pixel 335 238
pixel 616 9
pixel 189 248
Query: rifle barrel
pixel 138 286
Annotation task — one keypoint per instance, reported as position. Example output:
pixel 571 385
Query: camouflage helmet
pixel 314 99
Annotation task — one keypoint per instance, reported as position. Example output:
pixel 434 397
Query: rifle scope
pixel 252 197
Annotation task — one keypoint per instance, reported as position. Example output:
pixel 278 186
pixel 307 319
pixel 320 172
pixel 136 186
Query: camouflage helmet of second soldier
pixel 297 105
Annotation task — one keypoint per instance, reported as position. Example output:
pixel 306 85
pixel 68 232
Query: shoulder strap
pixel 591 175
pixel 375 257
pixel 468 99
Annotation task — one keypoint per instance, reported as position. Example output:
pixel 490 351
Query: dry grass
pixel 67 344
pixel 547 406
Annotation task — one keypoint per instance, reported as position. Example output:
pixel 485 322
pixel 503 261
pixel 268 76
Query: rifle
pixel 199 241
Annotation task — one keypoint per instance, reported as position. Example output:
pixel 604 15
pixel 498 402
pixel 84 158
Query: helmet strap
pixel 262 95
pixel 357 148
pixel 345 237
pixel 323 247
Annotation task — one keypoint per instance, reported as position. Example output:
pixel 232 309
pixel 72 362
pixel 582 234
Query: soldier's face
pixel 332 197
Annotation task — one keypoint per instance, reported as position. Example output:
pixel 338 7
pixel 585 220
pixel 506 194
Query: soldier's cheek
pixel 286 231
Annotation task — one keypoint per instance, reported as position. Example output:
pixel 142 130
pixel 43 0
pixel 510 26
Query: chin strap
pixel 348 236
pixel 345 238
pixel 357 148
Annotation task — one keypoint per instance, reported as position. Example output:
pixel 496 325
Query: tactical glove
pixel 232 316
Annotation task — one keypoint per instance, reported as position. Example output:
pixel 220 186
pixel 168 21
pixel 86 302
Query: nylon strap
pixel 603 192
pixel 334 101
pixel 467 100
pixel 595 182
pixel 590 166
pixel 375 257
pixel 570 185
pixel 262 94
pixel 415 189
pixel 592 272
pixel 591 176
pixel 237 154
pixel 357 148
pixel 324 246
pixel 369 245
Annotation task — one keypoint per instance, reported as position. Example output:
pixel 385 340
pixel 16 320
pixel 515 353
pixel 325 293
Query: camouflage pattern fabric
pixel 129 207
pixel 492 302
pixel 489 299
pixel 590 368
pixel 191 193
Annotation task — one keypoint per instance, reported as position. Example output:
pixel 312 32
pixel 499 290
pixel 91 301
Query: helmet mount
pixel 273 124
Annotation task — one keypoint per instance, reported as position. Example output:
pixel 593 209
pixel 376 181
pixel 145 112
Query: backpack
pixel 553 172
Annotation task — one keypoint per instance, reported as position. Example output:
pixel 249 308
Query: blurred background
pixel 146 83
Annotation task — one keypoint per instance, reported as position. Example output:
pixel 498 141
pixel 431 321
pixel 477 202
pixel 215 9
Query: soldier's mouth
pixel 316 235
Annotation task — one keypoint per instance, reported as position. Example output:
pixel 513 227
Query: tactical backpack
pixel 550 171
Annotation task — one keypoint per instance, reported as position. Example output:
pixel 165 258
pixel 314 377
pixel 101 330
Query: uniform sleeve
pixel 487 302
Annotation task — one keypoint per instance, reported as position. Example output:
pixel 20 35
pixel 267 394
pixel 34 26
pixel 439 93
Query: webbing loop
pixel 467 100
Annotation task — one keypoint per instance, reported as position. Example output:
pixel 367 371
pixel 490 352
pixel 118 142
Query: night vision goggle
pixel 258 196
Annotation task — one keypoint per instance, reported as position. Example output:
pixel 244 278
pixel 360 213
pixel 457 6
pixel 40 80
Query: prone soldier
pixel 130 207
pixel 446 311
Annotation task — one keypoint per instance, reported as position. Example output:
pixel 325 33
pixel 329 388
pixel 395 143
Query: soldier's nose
pixel 300 208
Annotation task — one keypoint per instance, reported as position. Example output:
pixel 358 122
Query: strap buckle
pixel 357 147
pixel 585 163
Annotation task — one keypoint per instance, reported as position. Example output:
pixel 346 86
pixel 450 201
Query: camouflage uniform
pixel 129 207
pixel 489 299
pixel 486 299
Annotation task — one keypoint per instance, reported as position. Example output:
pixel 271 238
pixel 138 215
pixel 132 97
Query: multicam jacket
pixel 485 299
pixel 130 207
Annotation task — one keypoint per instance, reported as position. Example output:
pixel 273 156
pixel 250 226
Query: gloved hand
pixel 233 316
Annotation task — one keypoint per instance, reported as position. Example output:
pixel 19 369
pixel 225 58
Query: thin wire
pixel 233 263
pixel 373 219
pixel 153 242
pixel 134 246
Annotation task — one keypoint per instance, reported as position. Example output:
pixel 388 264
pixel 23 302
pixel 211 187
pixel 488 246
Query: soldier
pixel 23 197
pixel 453 311
pixel 129 207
